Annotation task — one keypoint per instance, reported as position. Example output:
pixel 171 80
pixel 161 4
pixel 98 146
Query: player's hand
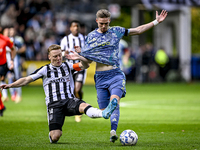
pixel 4 86
pixel 66 52
pixel 74 56
pixel 160 18
pixel 77 49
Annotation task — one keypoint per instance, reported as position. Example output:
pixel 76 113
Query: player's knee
pixel 56 136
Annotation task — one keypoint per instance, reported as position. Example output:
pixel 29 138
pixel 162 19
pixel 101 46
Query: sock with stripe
pixel 114 118
pixel 93 112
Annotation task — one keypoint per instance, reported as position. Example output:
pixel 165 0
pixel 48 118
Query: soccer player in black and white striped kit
pixel 59 91
pixel 75 38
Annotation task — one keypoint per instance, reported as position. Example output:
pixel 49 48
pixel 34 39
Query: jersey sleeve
pixel 63 43
pixel 120 31
pixel 70 65
pixel 39 73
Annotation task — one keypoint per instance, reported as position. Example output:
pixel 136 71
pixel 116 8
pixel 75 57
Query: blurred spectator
pixel 34 23
pixel 35 6
pixel 35 19
pixel 4 41
pixel 16 72
pixel 23 13
pixel 48 41
pixel 123 47
pixel 29 39
pixel 144 59
pixel 9 17
pixel 125 60
pixel 162 60
pixel 61 24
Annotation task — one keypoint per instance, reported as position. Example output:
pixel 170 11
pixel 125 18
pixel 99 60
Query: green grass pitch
pixel 165 117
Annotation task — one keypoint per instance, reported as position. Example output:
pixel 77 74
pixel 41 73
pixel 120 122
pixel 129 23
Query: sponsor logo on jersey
pixel 62 79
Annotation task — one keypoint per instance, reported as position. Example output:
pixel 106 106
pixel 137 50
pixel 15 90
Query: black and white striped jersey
pixel 68 42
pixel 58 83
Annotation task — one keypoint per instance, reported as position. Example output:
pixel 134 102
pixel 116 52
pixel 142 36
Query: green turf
pixel 165 116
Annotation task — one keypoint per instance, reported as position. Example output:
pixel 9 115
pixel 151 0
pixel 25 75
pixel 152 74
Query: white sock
pixel 94 113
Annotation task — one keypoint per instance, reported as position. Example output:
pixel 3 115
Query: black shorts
pixel 3 69
pixel 58 110
pixel 79 76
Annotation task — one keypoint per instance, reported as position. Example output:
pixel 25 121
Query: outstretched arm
pixel 20 82
pixel 76 56
pixel 141 29
pixel 83 64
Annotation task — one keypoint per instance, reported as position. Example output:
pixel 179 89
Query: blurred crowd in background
pixel 40 25
pixel 36 23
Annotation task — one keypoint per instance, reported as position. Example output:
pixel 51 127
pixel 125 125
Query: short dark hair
pixel 74 21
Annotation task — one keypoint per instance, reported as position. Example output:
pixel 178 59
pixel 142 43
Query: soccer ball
pixel 128 137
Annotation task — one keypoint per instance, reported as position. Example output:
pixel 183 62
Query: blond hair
pixel 103 13
pixel 53 47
